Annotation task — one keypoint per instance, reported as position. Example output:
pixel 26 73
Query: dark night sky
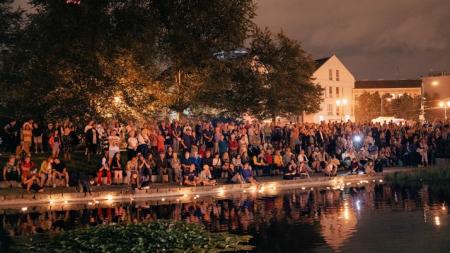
pixel 374 38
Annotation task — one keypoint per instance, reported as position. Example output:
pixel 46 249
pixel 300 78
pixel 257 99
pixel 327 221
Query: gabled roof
pixel 375 84
pixel 320 62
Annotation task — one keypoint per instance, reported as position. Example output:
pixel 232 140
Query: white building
pixel 338 83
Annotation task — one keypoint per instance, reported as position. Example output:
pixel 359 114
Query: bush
pixel 159 236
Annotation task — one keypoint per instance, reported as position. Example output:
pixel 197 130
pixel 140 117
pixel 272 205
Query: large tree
pixel 287 87
pixel 273 80
pixel 99 58
pixel 367 106
pixel 192 32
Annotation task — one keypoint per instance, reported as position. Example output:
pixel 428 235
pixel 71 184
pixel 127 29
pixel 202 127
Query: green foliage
pixel 368 106
pixel 159 236
pixel 275 79
pixel 287 88
pixel 416 178
pixel 405 107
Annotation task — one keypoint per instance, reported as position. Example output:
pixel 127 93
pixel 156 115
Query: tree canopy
pixel 132 59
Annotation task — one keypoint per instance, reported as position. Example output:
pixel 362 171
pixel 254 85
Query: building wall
pixel 394 92
pixel 338 83
pixel 436 89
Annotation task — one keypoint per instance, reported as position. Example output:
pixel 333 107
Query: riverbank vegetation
pixel 417 178
pixel 158 236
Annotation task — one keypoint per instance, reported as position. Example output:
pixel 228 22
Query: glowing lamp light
pixel 434 83
pixel 437 221
pixel 321 118
pixel 24 209
pixel 163 199
pixel 357 138
pixel 344 101
pixel 109 197
pixel 66 202
pixel 303 188
pixel 51 202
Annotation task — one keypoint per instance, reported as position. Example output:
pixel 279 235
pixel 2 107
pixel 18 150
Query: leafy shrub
pixel 159 236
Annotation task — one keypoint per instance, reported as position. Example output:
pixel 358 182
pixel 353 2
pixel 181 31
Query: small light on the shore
pixel 261 190
pixel 185 195
pixel 51 202
pixel 178 200
pixel 348 183
pixel 437 220
pixel 96 201
pixel 312 188
pixel 24 209
pixel 244 191
pixel 381 181
pixel 328 187
pixel 109 197
pixel 197 196
pixel 303 188
pixel 373 180
pixel 443 207
pixel 221 192
pixel 90 203
pixel 66 202
pixel 163 199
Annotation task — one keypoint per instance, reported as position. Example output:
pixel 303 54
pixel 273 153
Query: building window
pixel 337 110
pixel 337 92
pixel 342 92
pixel 330 109
pixel 337 74
pixel 325 94
pixel 330 74
pixel 330 92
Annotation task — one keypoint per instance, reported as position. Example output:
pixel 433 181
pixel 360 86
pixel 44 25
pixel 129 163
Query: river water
pixel 374 218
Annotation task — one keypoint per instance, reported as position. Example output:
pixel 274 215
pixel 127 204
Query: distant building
pixel 395 88
pixel 338 83
pixel 436 90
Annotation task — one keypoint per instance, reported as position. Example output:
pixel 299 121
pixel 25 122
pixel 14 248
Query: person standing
pixel 11 136
pixel 37 138
pixel 92 140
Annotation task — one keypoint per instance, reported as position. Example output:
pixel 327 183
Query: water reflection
pixel 323 220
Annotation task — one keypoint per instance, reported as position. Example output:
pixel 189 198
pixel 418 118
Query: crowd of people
pixel 207 152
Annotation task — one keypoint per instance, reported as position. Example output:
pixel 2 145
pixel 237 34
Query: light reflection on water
pixel 371 219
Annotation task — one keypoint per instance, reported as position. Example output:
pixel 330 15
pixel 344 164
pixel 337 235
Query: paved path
pixel 169 193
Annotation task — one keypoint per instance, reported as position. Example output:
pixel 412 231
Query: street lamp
pixel 444 105
pixel 342 103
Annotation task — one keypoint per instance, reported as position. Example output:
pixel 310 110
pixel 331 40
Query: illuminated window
pixel 337 74
pixel 330 109
pixel 330 74
pixel 337 92
pixel 330 92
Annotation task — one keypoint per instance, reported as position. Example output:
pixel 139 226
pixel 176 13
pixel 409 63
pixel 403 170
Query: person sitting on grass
pixel 205 177
pixel 247 174
pixel 46 172
pixel 131 177
pixel 304 170
pixel 190 178
pixel 291 171
pixel 11 174
pixel 103 173
pixel 234 177
pixel 332 166
pixel 60 172
pixel 32 181
pixel 26 166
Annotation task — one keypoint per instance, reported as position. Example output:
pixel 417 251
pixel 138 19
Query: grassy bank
pixel 417 178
